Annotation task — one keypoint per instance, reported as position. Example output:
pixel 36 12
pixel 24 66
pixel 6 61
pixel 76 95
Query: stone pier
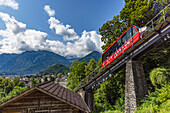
pixel 88 97
pixel 135 85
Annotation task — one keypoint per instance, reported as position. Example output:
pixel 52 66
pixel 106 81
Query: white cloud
pixel 88 42
pixel 60 29
pixel 49 11
pixel 17 39
pixel 11 3
pixel 11 24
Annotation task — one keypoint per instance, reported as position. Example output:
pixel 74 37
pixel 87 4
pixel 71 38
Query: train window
pixel 108 53
pixel 105 56
pixel 134 31
pixel 123 39
pixel 116 46
pixel 131 31
pixel 119 43
pixel 112 50
pixel 128 34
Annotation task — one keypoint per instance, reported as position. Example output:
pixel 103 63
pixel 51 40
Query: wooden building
pixel 48 97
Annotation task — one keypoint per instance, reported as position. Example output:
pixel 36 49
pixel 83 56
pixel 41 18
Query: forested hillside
pixel 54 70
pixel 109 96
pixel 30 62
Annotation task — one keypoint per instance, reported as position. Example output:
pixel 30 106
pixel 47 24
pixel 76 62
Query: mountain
pixel 6 73
pixel 72 59
pixel 5 57
pixel 95 54
pixel 54 69
pixel 30 62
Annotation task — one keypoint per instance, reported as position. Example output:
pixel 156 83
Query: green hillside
pixel 54 69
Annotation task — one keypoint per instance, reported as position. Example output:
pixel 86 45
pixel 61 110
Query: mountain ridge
pixel 32 62
pixel 94 54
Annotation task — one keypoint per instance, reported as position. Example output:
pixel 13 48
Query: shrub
pixel 159 77
pixel 157 102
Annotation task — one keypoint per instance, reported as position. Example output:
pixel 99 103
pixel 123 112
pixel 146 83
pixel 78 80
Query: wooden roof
pixel 56 91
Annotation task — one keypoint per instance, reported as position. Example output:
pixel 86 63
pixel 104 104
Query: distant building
pixel 30 83
pixel 42 80
pixel 7 77
pixel 26 83
pixel 62 81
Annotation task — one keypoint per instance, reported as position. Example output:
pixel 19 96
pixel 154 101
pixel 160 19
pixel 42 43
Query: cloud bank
pixel 10 3
pixel 17 38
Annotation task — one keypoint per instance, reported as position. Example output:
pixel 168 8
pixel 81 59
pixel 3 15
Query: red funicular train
pixel 122 44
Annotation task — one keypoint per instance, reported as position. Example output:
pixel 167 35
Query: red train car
pixel 122 44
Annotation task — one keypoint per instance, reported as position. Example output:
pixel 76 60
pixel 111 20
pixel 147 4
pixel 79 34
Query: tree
pixel 17 82
pixel 59 75
pixel 52 78
pixel 33 82
pixel 74 64
pixel 133 12
pixel 16 90
pixel 99 66
pixel 140 12
pixel 45 79
pixel 76 75
pixel 112 30
pixel 80 70
pixel 2 94
pixel 7 85
pixel 21 84
pixel 159 77
pixel 1 86
pixel 109 91
pixel 89 69
pixel 54 70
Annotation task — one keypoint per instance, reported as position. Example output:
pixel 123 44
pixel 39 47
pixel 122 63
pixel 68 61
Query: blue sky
pixel 66 27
